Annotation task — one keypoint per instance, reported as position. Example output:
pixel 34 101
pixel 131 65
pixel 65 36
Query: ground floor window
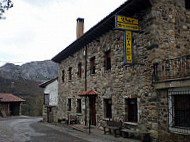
pixel 78 105
pixel 182 110
pixel 179 110
pixel 108 108
pixel 131 110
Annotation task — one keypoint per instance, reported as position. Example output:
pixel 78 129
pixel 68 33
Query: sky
pixel 37 30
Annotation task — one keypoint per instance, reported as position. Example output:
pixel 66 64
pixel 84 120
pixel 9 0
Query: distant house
pixel 10 105
pixel 50 99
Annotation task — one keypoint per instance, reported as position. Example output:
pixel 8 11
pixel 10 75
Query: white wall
pixel 52 90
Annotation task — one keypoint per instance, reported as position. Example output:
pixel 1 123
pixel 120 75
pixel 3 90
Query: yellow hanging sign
pixel 128 47
pixel 126 23
pixel 127 20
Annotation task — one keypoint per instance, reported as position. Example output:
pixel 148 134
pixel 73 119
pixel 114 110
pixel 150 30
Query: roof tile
pixel 5 97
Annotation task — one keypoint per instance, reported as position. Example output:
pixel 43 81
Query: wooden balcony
pixel 172 69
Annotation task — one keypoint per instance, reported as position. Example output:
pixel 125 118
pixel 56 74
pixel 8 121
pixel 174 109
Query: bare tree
pixel 4 5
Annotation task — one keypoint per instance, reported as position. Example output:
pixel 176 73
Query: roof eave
pixel 87 37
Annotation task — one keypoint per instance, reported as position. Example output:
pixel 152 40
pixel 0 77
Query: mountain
pixel 39 71
pixel 23 81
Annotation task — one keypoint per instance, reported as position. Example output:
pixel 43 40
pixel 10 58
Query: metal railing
pixel 172 69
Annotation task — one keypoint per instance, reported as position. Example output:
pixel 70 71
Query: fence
pixel 172 69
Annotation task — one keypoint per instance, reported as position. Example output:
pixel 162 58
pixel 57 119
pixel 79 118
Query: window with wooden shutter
pixel 92 65
pixel 70 73
pixel 108 108
pixel 79 106
pixel 63 76
pixel 107 60
pixel 187 4
pixel 80 70
pixel 69 105
pixel 131 110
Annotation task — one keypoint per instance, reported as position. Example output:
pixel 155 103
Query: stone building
pixel 50 100
pixel 152 94
pixel 10 105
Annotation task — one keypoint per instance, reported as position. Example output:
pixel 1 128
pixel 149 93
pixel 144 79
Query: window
pixel 63 75
pixel 80 70
pixel 108 60
pixel 108 108
pixel 92 65
pixel 79 106
pixel 179 110
pixel 46 99
pixel 70 73
pixel 69 105
pixel 131 110
pixel 182 110
pixel 187 4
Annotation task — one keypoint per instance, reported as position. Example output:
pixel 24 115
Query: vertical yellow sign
pixel 128 47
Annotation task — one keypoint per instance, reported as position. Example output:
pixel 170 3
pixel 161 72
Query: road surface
pixel 29 129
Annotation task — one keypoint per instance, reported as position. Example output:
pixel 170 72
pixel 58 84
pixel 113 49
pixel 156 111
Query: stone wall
pixel 172 34
pixel 119 83
pixel 164 34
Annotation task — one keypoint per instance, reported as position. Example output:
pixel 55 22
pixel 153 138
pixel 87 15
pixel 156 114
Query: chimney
pixel 80 27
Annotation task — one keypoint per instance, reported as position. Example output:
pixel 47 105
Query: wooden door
pixel 92 104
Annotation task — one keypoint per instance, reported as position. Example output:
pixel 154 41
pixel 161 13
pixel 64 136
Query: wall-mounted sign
pixel 126 23
pixel 128 47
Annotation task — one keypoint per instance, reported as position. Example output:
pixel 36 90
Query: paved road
pixel 29 129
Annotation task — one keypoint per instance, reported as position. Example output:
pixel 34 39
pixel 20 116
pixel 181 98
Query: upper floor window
pixel 63 75
pixel 92 65
pixel 80 70
pixel 69 104
pixel 46 99
pixel 187 4
pixel 70 73
pixel 108 60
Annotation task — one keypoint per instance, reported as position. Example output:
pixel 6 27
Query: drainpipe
pixel 85 84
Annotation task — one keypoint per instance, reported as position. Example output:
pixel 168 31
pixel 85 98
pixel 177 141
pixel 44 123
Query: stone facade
pixel 164 34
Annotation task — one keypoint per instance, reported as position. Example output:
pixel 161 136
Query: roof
pixel 88 93
pixel 129 8
pixel 5 97
pixel 44 84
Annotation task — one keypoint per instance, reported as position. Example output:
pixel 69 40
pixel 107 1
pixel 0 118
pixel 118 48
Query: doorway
pixel 14 109
pixel 92 106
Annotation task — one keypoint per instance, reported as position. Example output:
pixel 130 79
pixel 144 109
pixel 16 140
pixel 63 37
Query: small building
pixel 50 100
pixel 10 105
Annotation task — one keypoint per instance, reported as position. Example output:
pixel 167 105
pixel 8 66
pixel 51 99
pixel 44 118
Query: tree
pixel 4 5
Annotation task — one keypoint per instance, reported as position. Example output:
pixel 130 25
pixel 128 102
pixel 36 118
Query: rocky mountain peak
pixel 39 71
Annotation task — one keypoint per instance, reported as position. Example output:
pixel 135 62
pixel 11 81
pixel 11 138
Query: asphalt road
pixel 29 129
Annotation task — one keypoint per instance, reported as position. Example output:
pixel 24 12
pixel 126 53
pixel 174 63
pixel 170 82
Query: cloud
pixel 39 29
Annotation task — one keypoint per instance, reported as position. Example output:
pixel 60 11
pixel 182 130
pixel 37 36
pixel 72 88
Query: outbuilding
pixel 10 105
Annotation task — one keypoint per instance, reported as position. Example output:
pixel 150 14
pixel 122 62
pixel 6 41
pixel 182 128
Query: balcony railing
pixel 177 68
